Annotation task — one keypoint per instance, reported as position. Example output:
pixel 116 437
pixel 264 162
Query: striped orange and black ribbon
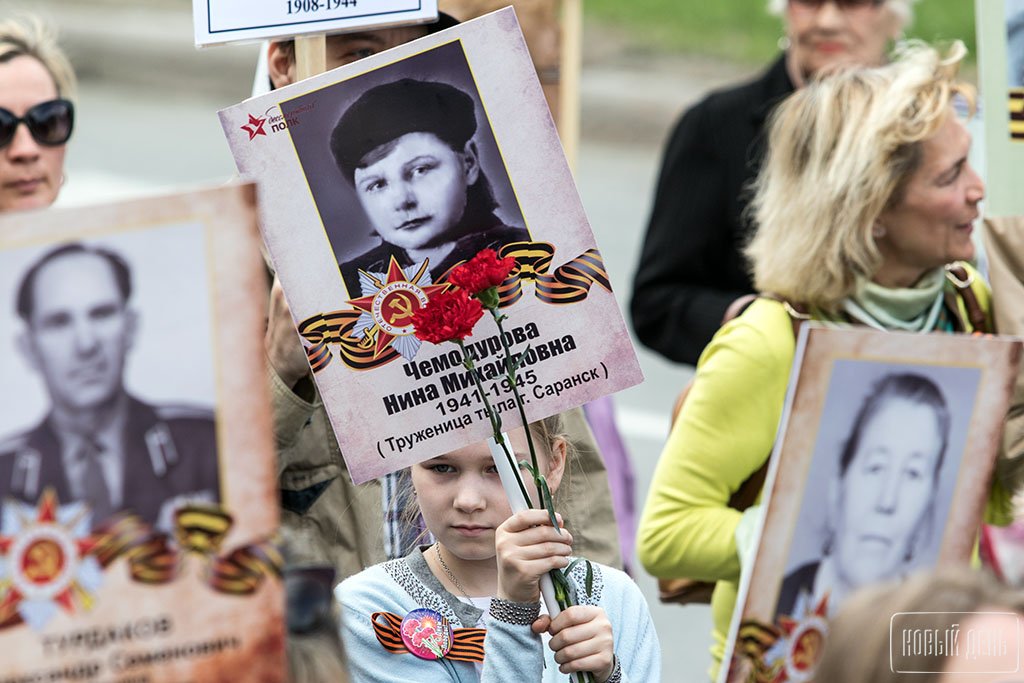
pixel 1017 113
pixel 151 559
pixel 337 328
pixel 753 641
pixel 568 284
pixel 199 529
pixel 467 643
pixel 243 570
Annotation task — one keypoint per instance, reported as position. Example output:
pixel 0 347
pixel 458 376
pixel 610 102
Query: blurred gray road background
pixel 147 124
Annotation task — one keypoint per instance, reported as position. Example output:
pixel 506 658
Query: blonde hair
pixel 841 150
pixel 902 9
pixel 547 434
pixel 29 36
pixel 858 645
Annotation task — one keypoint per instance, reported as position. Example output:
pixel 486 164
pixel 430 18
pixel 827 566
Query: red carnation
pixel 483 271
pixel 448 316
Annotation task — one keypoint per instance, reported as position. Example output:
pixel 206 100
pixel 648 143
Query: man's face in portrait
pixel 414 189
pixel 79 331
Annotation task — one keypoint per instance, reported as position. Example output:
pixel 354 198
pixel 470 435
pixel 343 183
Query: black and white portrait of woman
pixel 881 484
pixel 411 170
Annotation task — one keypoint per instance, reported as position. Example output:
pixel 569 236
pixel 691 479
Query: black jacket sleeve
pixel 681 287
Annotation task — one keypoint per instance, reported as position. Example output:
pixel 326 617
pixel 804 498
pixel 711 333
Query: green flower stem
pixel 561 594
pixel 510 373
pixel 493 414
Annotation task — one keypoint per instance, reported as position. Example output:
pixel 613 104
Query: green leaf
pixel 548 502
pixel 590 573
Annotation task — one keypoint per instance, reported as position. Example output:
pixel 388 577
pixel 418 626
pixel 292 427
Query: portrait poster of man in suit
pixel 88 318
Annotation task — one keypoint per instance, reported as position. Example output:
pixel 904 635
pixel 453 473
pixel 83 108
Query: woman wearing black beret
pixel 407 148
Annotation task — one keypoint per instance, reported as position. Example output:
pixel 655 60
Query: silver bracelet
pixel 519 613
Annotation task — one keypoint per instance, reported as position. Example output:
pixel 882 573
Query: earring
pixel 783 43
pixel 878 230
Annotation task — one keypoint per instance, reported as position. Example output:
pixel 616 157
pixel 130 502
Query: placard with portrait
pixel 882 468
pixel 382 176
pixel 137 476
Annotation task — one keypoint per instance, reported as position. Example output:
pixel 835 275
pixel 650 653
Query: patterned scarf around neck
pixel 911 309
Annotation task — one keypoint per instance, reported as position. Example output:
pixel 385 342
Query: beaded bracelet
pixel 519 613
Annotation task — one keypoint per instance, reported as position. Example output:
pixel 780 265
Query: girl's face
pixel 415 192
pixel 461 497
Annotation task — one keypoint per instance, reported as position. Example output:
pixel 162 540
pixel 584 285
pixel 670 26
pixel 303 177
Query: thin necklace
pixel 448 571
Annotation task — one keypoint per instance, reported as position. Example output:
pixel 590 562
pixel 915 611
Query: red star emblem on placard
pixel 254 127
pixel 393 305
pixel 804 641
pixel 46 560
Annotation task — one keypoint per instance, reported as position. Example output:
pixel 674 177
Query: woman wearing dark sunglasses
pixel 691 267
pixel 36 118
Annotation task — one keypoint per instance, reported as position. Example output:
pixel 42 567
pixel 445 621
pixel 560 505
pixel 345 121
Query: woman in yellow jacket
pixel 865 196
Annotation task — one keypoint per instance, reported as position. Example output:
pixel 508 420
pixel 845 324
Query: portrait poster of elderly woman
pixel 402 162
pixel 882 470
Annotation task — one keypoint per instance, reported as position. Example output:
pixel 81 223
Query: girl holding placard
pixel 469 604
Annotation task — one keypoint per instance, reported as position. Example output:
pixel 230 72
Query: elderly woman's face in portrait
pixel 824 35
pixel 30 173
pixel 414 189
pixel 931 224
pixel 886 492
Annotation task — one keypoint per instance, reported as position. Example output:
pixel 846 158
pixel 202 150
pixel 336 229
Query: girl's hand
pixel 529 547
pixel 582 640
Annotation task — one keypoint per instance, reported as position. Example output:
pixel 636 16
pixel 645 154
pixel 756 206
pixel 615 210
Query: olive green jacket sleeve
pixel 1004 244
pixel 723 434
pixel 585 499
